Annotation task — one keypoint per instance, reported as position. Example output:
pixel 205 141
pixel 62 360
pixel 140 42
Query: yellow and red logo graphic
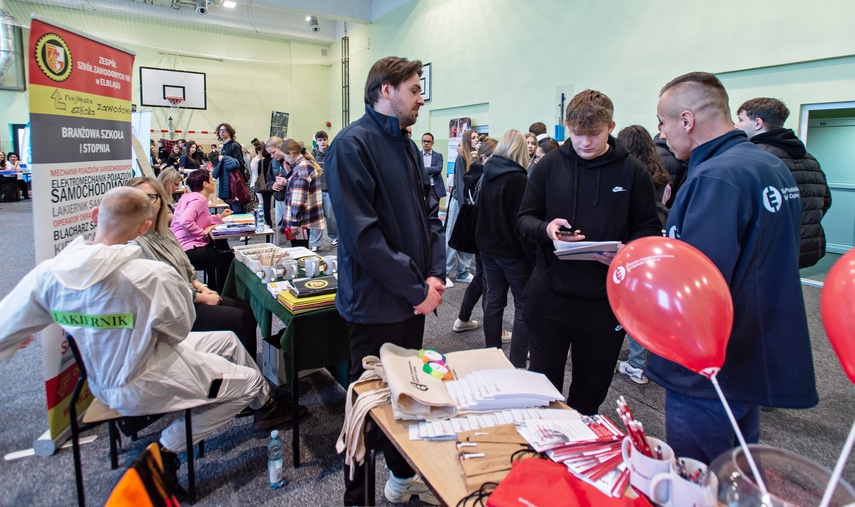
pixel 54 57
pixel 317 284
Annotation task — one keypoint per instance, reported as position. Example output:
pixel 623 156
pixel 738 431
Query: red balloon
pixel 837 304
pixel 673 300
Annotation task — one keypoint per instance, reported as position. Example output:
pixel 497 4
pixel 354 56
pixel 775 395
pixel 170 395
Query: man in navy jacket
pixel 391 249
pixel 740 207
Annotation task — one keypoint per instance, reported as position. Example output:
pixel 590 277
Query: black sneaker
pixel 171 464
pixel 275 415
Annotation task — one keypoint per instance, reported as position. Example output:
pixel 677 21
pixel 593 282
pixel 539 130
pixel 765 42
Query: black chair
pixel 99 413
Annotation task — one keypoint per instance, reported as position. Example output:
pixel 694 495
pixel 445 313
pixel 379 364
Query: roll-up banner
pixel 80 121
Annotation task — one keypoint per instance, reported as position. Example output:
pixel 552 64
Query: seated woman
pixel 192 226
pixel 170 180
pixel 213 312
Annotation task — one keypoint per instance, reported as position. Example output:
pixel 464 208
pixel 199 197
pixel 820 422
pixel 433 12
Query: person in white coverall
pixel 131 318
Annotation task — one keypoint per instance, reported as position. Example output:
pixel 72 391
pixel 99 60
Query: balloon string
pixel 838 469
pixel 751 463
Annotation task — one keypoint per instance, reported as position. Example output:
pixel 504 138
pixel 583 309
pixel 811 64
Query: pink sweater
pixel 190 220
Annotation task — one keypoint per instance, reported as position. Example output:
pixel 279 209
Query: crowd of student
pixel 532 192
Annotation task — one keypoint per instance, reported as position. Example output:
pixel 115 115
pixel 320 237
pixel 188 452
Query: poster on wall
pixel 278 124
pixel 80 122
pixel 456 128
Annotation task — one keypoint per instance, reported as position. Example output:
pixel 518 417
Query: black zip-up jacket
pixel 813 188
pixel 390 237
pixel 498 205
pixel 609 198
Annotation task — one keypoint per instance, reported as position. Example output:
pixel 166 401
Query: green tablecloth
pixel 310 340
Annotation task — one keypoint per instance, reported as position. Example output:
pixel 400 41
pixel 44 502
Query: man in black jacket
pixel 763 120
pixel 588 189
pixel 391 249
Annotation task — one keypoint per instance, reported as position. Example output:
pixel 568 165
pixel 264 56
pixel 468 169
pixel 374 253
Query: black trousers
pixel 24 186
pixel 588 329
pixel 215 260
pixel 366 339
pixel 230 315
pixel 473 291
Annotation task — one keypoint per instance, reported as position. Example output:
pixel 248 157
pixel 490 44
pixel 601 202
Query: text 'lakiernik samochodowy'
pixel 90 133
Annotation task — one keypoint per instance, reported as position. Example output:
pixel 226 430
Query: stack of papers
pixel 447 429
pixel 590 448
pixel 583 250
pixel 305 304
pixel 502 389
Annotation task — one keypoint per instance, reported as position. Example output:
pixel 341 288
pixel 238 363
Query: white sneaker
pixel 464 325
pixel 334 242
pixel 466 278
pixel 634 374
pixel 448 283
pixel 506 336
pixel 401 490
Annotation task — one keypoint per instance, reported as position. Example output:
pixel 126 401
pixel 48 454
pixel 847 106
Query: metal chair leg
pixel 75 448
pixel 201 448
pixel 295 418
pixel 114 438
pixel 191 469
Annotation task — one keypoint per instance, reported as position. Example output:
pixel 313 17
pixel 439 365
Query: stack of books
pixel 308 294
pixel 590 448
pixel 240 218
pixel 230 229
pixel 297 305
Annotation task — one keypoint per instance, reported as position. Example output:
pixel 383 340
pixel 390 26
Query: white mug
pixel 643 468
pixel 673 490
pixel 330 264
pixel 289 269
pixel 313 266
pixel 269 274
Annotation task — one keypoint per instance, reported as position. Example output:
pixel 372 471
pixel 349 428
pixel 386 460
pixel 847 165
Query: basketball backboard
pixel 158 84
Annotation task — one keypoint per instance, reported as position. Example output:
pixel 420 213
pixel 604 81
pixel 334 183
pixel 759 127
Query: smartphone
pixel 215 388
pixel 564 231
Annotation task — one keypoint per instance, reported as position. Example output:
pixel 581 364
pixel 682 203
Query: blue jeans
pixel 637 354
pixel 699 427
pixel 452 256
pixel 316 236
pixel 501 273
pixel 279 212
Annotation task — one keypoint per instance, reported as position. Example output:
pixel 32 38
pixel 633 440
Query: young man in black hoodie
pixel 592 187
pixel 763 120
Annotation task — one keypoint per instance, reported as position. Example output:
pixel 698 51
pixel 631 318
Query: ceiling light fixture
pixel 229 4
pixel 313 23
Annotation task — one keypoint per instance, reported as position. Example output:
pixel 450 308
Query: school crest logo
pixel 54 57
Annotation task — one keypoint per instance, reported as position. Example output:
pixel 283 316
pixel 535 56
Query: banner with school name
pixel 80 123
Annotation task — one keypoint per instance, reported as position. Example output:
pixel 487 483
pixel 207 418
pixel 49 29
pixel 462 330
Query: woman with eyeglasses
pixel 192 226
pixel 213 312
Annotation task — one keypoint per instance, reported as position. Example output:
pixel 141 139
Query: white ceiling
pixel 284 18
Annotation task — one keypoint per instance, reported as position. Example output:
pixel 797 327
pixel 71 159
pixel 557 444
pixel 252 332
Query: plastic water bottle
pixel 259 218
pixel 274 461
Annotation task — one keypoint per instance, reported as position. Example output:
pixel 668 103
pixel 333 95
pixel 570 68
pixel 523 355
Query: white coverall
pixel 131 318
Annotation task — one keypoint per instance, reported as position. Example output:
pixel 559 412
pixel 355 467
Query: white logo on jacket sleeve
pixel 772 199
pixel 618 189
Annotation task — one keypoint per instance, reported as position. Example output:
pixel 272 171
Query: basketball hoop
pixel 174 101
